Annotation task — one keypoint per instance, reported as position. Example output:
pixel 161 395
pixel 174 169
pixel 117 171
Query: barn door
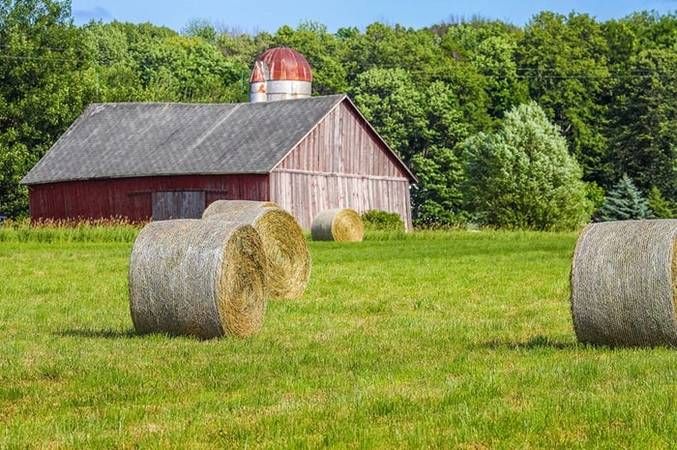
pixel 178 205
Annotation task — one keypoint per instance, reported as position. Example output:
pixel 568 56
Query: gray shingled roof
pixel 119 140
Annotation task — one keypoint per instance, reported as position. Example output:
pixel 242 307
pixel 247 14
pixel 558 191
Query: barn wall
pixel 131 197
pixel 305 195
pixel 341 164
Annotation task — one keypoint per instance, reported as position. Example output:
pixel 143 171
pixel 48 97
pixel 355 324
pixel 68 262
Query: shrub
pixel 376 220
pixel 595 195
pixel 523 175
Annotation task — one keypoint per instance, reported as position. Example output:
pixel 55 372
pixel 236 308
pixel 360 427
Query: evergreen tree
pixel 644 117
pixel 661 207
pixel 624 202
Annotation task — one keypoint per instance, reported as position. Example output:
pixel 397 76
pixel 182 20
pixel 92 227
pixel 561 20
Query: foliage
pixel 390 100
pixel 376 220
pixel 661 208
pixel 423 127
pixel 45 82
pixel 437 196
pixel 491 49
pixel 523 176
pixel 644 120
pixel 624 202
pixel 322 50
pixel 564 58
pixel 595 195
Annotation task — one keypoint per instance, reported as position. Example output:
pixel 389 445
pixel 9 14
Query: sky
pixel 268 15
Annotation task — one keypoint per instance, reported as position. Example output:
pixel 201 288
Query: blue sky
pixel 267 15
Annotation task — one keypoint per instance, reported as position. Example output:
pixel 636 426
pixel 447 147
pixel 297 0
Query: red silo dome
pixel 283 63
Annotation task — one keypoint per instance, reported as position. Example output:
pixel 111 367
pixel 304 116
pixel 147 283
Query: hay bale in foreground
pixel 199 278
pixel 624 283
pixel 284 245
pixel 343 225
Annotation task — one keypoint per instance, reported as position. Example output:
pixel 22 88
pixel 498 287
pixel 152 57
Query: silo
pixel 280 73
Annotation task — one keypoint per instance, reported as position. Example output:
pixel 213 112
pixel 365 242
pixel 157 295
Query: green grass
pixel 439 340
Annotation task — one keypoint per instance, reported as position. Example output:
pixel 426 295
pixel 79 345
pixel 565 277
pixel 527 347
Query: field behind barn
pixel 443 339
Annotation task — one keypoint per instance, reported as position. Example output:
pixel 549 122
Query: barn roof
pixel 121 140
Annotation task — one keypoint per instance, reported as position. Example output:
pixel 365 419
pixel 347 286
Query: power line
pixel 51 49
pixel 38 58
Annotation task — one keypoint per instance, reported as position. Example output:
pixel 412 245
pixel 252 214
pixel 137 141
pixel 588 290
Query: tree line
pixel 541 126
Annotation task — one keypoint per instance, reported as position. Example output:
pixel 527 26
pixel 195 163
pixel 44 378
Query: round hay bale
pixel 342 225
pixel 624 283
pixel 284 245
pixel 199 278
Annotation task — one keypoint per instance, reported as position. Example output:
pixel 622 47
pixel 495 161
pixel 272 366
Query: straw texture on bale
pixel 343 225
pixel 624 284
pixel 199 278
pixel 288 258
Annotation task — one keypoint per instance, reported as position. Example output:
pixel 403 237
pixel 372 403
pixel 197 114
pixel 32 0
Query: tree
pixel 45 82
pixel 144 62
pixel 523 176
pixel 564 60
pixel 624 202
pixel 490 47
pixel 423 126
pixel 390 100
pixel 391 47
pixel 188 69
pixel 437 198
pixel 661 208
pixel 644 122
pixel 201 28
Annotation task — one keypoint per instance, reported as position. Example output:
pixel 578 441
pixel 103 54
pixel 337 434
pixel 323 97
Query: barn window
pixel 178 205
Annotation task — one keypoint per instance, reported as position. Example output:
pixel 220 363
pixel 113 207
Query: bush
pixel 595 195
pixel 523 175
pixel 376 220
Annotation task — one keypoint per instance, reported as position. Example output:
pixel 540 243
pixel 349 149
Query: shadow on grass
pixel 538 342
pixel 108 333
pixel 99 334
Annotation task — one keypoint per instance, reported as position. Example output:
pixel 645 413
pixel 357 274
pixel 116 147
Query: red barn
pixel 158 161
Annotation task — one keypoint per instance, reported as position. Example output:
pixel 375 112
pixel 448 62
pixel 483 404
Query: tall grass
pixel 110 230
pixel 119 230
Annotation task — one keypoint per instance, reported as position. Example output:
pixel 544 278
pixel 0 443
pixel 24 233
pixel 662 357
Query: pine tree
pixel 624 202
pixel 661 207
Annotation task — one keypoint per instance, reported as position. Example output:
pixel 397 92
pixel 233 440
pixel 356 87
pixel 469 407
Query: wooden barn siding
pixel 343 143
pixel 307 194
pixel 131 197
pixel 340 164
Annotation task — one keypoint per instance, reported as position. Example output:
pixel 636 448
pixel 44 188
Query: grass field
pixel 441 340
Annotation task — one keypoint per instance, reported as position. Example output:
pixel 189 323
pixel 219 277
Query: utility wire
pixel 51 49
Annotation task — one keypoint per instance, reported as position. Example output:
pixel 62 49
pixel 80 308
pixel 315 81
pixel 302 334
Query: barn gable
pixel 356 148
